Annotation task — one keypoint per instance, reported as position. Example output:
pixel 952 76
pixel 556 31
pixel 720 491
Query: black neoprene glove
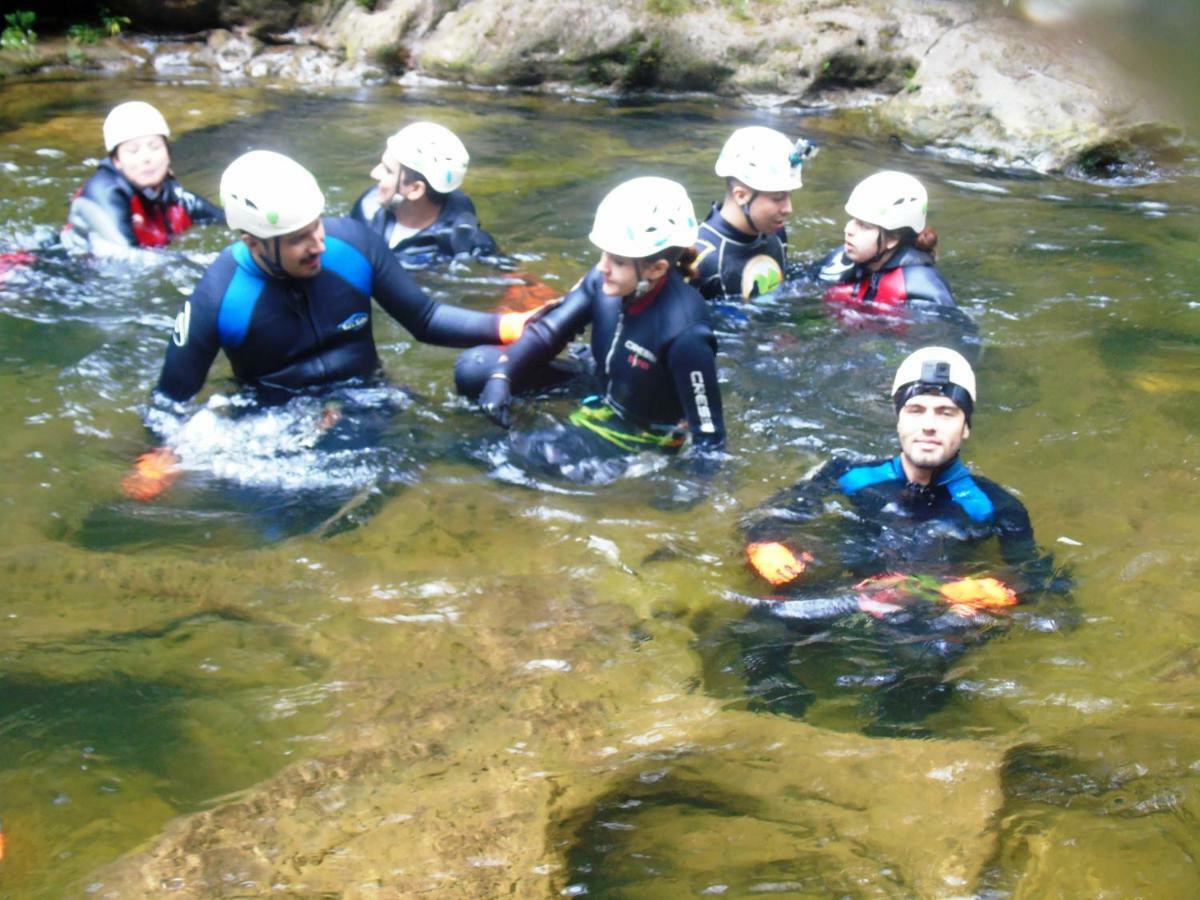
pixel 496 400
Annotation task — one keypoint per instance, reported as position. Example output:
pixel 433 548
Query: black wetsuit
pixel 909 276
pixel 733 264
pixel 294 333
pixel 109 209
pixel 655 356
pixel 455 231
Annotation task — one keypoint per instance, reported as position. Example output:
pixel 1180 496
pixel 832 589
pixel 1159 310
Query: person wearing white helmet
pixel 418 205
pixel 290 302
pixel 887 258
pixel 133 200
pixel 742 246
pixel 923 500
pixel 653 346
pixel 934 552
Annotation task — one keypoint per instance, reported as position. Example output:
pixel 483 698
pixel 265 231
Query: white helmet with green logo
pixel 644 216
pixel 432 150
pixel 891 201
pixel 132 119
pixel 763 159
pixel 267 194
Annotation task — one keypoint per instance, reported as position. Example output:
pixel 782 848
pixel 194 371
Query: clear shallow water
pixel 298 594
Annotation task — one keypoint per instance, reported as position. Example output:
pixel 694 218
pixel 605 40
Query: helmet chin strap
pixel 880 250
pixel 274 266
pixel 643 285
pixel 397 198
pixel 746 210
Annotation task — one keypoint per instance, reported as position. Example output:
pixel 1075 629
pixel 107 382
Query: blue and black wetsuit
pixel 109 210
pixel 909 276
pixel 731 263
pixel 296 333
pixel 655 359
pixel 896 525
pixel 861 520
pixel 455 231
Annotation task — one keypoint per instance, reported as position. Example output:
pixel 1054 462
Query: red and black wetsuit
pixel 909 276
pixel 109 209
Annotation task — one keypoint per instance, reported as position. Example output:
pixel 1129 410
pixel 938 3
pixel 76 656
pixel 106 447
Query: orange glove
pixel 776 562
pixel 152 474
pixel 969 595
pixel 528 291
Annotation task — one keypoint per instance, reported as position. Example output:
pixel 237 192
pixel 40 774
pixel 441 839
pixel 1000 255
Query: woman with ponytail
pixel 653 347
pixel 887 260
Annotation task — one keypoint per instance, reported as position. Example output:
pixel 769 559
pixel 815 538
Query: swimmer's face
pixel 620 274
pixel 145 160
pixel 932 428
pixel 863 241
pixel 771 210
pixel 299 252
pixel 387 173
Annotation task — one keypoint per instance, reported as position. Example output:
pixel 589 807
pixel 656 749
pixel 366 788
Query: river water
pixel 376 661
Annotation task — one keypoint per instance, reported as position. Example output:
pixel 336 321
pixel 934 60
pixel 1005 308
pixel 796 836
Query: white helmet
pixel 642 216
pixel 890 200
pixel 434 151
pixel 132 119
pixel 938 366
pixel 763 159
pixel 267 194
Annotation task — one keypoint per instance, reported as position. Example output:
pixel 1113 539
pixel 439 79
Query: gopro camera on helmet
pixel 934 371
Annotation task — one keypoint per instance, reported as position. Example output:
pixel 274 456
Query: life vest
pixel 887 293
pixel 155 226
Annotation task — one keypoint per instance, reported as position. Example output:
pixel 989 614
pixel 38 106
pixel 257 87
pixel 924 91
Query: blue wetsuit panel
pixel 865 476
pixel 348 262
pixel 967 494
pixel 237 306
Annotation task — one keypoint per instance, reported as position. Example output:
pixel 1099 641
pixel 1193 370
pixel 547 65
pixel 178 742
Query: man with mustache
pixel 290 302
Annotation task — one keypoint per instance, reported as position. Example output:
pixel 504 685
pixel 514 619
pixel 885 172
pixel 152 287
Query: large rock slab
pixel 483 731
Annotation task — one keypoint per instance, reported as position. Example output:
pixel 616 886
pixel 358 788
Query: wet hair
pixel 411 175
pixel 681 258
pixel 925 241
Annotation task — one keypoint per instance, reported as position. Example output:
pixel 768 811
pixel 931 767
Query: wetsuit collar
pixel 905 256
pixel 951 471
pixel 633 307
pixel 720 224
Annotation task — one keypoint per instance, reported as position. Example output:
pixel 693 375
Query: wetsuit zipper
pixel 608 357
pixel 303 297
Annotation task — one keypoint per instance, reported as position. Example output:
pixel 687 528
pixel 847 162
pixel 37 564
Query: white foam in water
pixel 272 447
pixel 981 187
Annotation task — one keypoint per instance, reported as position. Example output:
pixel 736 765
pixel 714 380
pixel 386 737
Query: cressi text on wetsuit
pixel 109 209
pixel 731 263
pixel 294 333
pixel 655 355
pixel 888 524
pixel 456 229
pixel 908 276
